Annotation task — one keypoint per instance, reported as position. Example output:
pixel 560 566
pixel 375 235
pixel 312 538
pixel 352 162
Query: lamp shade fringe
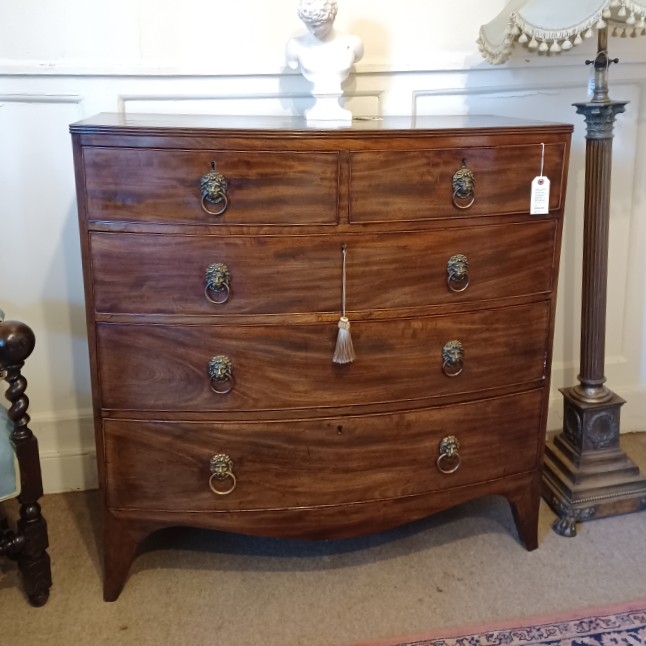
pixel 532 24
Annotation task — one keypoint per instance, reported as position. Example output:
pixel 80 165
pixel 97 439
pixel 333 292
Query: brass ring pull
pixel 458 273
pixel 213 187
pixel 465 206
pixel 225 289
pixel 222 469
pixel 220 371
pixel 449 459
pixel 464 194
pixel 217 280
pixel 222 198
pixel 453 358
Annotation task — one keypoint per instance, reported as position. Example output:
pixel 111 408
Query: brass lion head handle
pixel 449 458
pixel 452 358
pixel 464 194
pixel 221 467
pixel 213 187
pixel 458 273
pixel 220 372
pixel 217 283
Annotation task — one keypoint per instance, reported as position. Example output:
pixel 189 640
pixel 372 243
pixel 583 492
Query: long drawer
pixel 281 464
pixel 167 274
pixel 418 185
pixel 164 186
pixel 163 367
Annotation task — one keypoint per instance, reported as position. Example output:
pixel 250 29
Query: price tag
pixel 540 201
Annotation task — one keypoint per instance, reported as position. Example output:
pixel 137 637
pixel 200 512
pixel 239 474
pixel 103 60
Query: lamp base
pixel 586 475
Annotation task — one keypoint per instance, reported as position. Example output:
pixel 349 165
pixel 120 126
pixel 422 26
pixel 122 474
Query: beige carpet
pixel 459 568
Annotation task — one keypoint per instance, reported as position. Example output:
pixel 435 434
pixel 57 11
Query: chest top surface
pixel 285 126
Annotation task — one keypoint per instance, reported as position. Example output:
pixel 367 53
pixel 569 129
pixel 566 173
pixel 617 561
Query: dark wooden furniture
pixel 29 542
pixel 213 263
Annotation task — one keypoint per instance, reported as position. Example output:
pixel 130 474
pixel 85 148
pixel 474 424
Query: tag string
pixel 542 158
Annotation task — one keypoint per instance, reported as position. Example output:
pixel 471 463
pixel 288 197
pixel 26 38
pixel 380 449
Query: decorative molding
pixel 41 98
pixel 464 61
pixel 279 97
pixel 512 90
pixel 124 99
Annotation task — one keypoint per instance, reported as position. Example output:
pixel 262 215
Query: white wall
pixel 62 60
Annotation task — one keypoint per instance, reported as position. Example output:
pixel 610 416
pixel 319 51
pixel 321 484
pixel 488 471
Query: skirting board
pixel 69 472
pixel 67 453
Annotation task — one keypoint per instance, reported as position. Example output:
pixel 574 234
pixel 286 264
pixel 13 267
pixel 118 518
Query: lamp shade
pixel 552 26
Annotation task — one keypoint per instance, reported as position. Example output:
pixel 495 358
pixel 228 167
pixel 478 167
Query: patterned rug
pixel 623 625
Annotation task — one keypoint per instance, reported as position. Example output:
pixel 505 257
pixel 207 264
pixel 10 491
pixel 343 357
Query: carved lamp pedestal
pixel 586 474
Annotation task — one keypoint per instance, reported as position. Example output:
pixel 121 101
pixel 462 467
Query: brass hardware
pixel 458 273
pixel 221 469
pixel 217 280
pixel 452 358
pixel 221 372
pixel 464 194
pixel 213 187
pixel 449 458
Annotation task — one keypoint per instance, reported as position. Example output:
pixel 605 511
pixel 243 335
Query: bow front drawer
pixel 220 276
pixel 249 367
pixel 278 464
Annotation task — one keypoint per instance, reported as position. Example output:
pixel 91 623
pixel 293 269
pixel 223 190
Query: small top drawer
pixel 419 184
pixel 164 186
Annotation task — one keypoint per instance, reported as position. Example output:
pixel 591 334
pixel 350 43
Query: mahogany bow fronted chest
pixel 219 255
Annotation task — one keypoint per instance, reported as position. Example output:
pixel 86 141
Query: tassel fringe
pixel 628 18
pixel 344 351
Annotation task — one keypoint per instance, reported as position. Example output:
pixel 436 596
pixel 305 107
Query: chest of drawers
pixel 215 254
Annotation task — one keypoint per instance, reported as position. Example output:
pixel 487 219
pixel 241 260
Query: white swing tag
pixel 540 201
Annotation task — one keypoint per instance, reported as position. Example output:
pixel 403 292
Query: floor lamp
pixel 586 474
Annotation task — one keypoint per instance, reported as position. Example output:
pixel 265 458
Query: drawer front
pixel 163 274
pixel 303 463
pixel 162 367
pixel 164 186
pixel 418 185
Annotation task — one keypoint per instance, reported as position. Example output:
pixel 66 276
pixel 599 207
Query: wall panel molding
pixel 41 98
pixel 362 102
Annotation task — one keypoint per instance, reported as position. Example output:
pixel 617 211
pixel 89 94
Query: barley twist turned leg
pixel 29 546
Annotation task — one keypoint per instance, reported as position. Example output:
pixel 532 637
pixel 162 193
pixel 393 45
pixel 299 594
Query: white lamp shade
pixel 551 26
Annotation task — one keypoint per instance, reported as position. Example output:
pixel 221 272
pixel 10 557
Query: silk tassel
pixel 344 351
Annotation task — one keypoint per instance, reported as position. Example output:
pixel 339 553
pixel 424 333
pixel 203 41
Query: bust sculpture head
pixel 324 57
pixel 318 16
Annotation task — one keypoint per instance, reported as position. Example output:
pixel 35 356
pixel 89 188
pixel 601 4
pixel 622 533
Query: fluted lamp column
pixel 586 474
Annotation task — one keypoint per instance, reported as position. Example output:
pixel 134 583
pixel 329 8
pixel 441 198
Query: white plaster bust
pixel 324 57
